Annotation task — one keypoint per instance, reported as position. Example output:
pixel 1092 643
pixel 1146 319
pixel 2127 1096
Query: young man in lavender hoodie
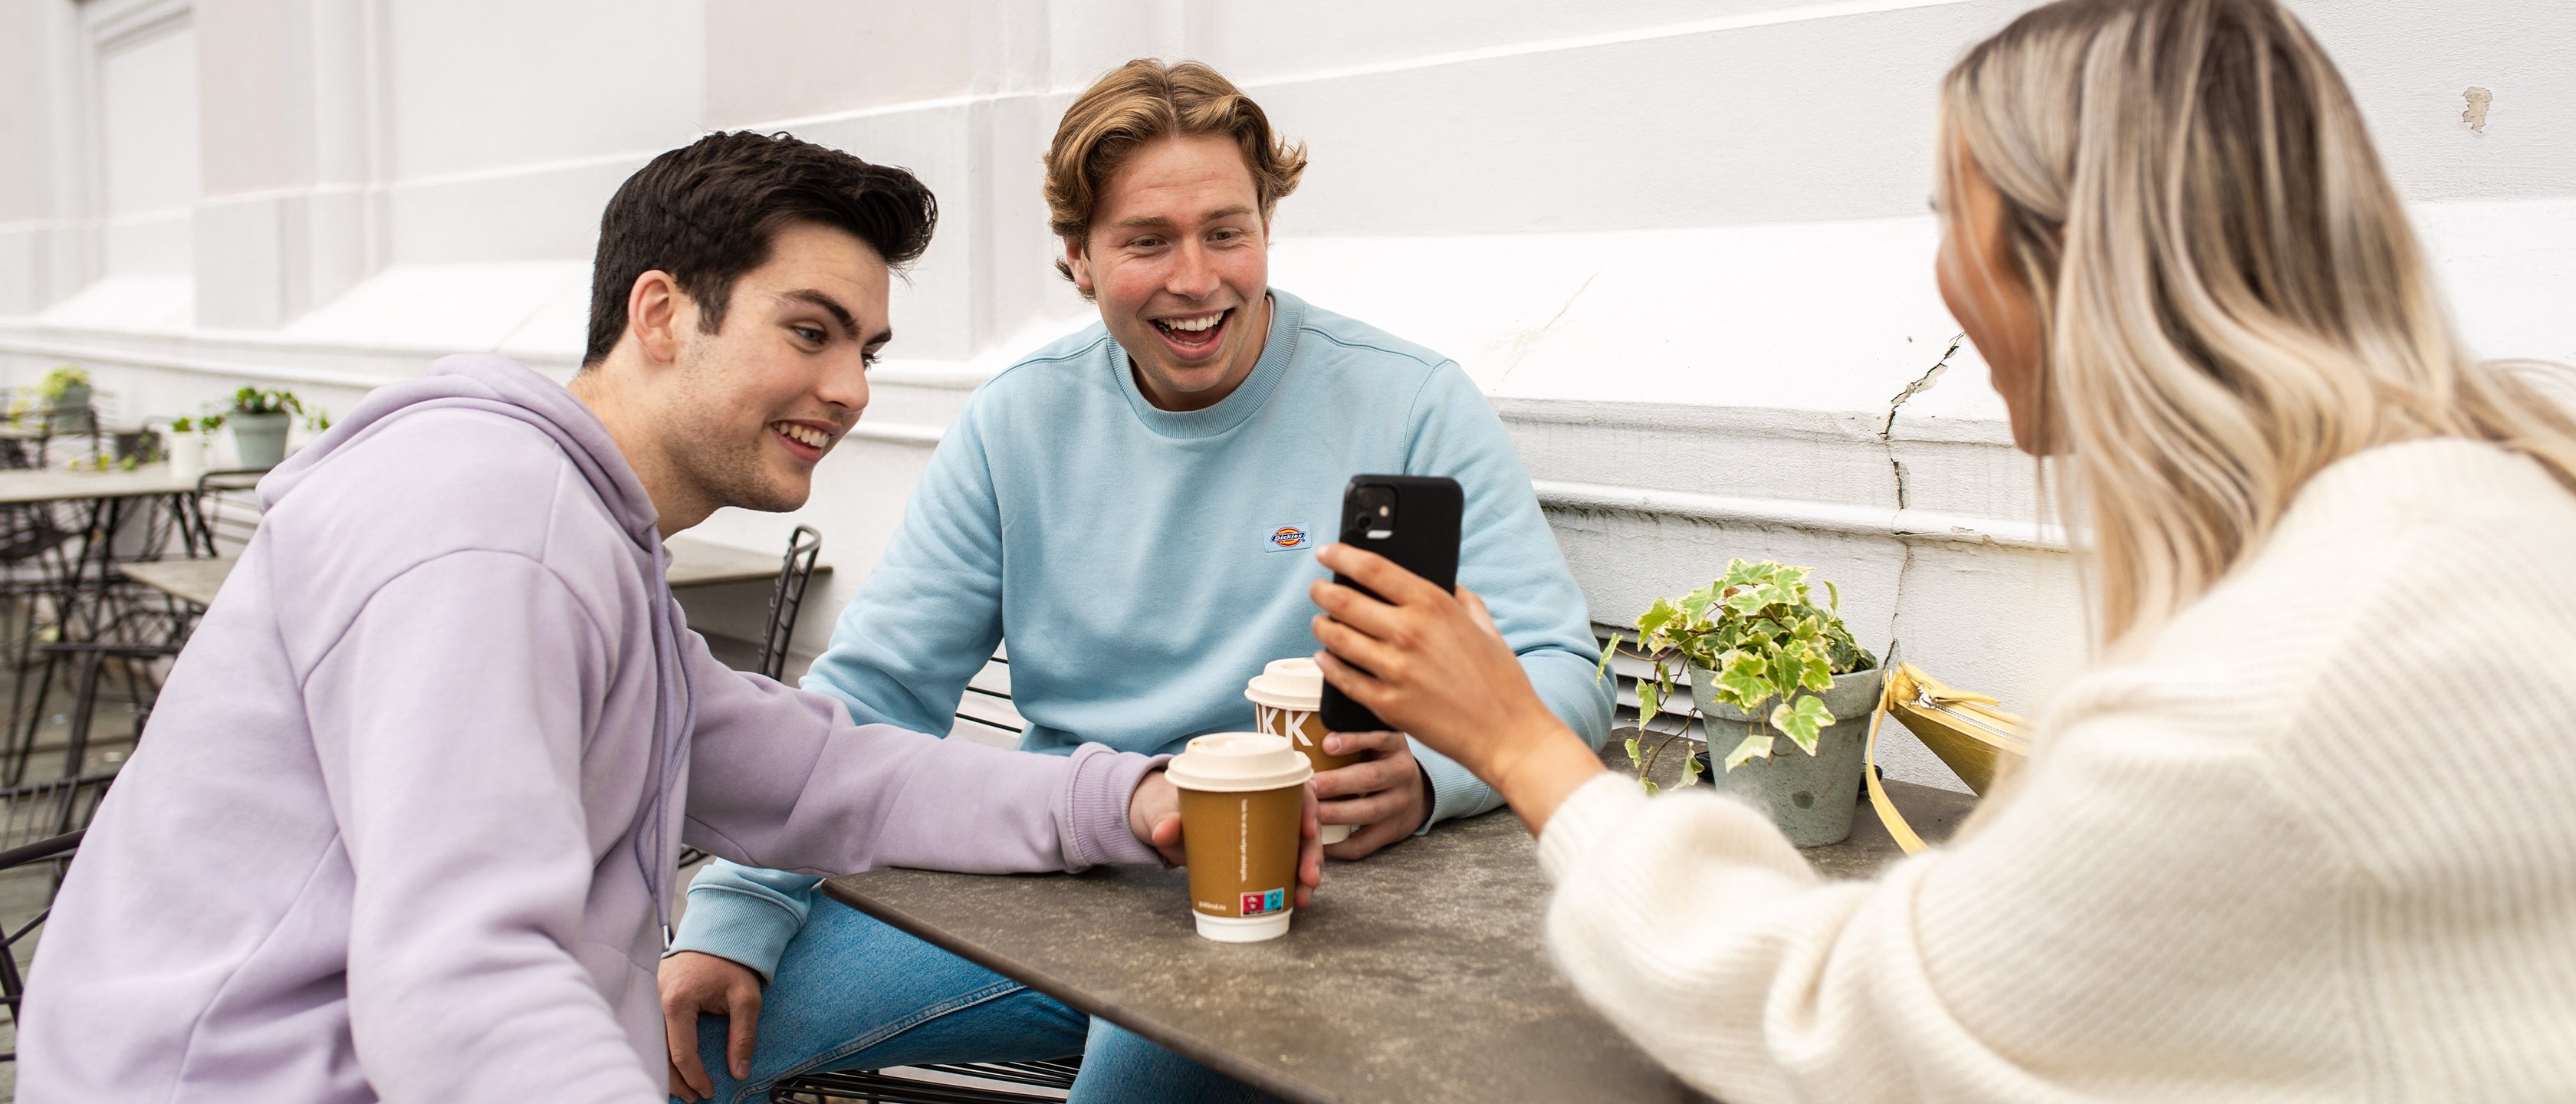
pixel 403 824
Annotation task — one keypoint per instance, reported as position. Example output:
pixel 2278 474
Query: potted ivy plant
pixel 259 420
pixel 1766 661
pixel 66 394
pixel 191 438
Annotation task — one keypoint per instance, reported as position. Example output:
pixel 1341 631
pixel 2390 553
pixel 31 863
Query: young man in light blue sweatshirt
pixel 1136 508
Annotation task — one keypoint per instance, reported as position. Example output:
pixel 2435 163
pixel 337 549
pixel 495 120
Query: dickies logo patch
pixel 1289 538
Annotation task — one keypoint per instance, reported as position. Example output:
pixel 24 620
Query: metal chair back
pixel 57 850
pixel 225 512
pixel 787 599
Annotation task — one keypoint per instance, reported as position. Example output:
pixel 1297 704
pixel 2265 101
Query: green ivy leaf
pixel 1783 671
pixel 1803 720
pixel 1651 788
pixel 1648 699
pixel 1690 770
pixel 1635 756
pixel 1815 673
pixel 1652 622
pixel 1608 650
pixel 1741 684
pixel 1756 745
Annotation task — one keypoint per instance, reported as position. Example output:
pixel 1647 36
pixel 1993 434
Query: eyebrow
pixel 1150 220
pixel 849 322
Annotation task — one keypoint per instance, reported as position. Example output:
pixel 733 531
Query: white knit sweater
pixel 2317 842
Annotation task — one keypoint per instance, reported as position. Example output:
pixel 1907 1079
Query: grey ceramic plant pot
pixel 70 413
pixel 1810 796
pixel 259 440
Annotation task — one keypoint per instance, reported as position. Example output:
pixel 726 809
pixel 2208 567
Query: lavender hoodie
pixel 403 822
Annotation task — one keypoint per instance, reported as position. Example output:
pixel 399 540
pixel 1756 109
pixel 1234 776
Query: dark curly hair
pixel 706 213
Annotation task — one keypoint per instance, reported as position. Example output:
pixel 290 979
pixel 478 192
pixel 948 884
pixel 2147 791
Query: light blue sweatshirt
pixel 1137 557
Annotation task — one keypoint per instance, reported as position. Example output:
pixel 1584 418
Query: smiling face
pixel 749 410
pixel 1178 257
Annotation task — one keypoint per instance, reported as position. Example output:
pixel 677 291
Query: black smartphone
pixel 1412 520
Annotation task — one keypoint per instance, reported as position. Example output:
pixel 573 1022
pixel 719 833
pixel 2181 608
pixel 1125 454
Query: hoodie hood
pixel 492 385
pixel 501 386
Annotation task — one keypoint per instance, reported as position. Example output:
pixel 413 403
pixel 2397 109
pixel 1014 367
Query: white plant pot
pixel 187 456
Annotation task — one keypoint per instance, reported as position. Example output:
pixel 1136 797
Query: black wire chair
pixel 57 850
pixel 891 1087
pixel 786 602
pixel 225 513
pixel 787 599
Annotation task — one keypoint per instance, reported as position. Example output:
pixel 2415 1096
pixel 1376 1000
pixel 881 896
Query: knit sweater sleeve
pixel 2309 842
pixel 2018 965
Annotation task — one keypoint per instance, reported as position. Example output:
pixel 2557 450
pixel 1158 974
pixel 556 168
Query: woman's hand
pixel 1433 664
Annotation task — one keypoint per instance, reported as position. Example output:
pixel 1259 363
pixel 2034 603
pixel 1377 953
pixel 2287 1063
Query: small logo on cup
pixel 1263 904
pixel 1289 538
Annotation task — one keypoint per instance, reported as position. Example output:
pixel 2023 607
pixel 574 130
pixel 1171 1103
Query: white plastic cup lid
pixel 1239 762
pixel 1288 684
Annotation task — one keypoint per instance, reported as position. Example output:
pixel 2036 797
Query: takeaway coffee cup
pixel 1285 696
pixel 1243 797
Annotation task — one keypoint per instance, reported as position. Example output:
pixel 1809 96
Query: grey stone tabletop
pixel 1417 975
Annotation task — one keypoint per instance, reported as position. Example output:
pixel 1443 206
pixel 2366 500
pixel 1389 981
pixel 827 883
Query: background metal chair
pixel 225 512
pixel 786 603
pixel 58 851
pixel 787 599
pixel 1051 1080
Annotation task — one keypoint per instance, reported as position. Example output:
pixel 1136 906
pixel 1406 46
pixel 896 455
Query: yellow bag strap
pixel 1887 814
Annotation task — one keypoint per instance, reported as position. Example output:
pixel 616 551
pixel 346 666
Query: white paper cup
pixel 1242 817
pixel 1285 696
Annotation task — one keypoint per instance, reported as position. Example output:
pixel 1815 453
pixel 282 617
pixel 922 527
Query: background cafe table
pixel 110 497
pixel 1417 975
pixel 693 563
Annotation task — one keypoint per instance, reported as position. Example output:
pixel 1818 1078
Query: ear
pixel 655 310
pixel 1077 262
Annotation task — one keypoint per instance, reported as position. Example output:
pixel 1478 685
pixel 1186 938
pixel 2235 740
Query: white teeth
pixel 1193 325
pixel 810 438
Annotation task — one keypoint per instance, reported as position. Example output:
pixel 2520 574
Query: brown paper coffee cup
pixel 1285 697
pixel 1242 805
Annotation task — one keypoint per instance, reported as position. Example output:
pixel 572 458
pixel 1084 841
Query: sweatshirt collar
pixel 1287 318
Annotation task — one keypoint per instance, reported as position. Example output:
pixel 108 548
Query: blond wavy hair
pixel 2229 293
pixel 1139 103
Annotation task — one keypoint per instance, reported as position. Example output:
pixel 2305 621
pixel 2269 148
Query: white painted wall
pixel 1682 243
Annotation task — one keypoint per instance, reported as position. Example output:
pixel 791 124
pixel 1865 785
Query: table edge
pixel 1038 979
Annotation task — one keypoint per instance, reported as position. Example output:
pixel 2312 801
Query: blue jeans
pixel 853 993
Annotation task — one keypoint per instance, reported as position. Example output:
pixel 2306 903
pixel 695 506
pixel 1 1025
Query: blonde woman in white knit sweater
pixel 2307 830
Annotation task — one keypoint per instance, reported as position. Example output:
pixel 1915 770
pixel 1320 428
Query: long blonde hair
pixel 2228 290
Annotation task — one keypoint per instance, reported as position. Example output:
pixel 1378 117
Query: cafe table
pixel 1417 975
pixel 693 563
pixel 110 498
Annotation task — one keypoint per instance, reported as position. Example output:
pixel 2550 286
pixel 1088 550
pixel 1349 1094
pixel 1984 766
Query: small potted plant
pixel 1766 661
pixel 66 394
pixel 260 420
pixel 190 440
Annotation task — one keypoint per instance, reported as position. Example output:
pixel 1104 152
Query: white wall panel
pixel 1681 242
pixel 148 128
pixel 483 85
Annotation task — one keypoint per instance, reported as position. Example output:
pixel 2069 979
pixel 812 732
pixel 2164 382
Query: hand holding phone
pixel 1412 520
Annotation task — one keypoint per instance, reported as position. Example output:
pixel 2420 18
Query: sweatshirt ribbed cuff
pixel 1586 822
pixel 1095 829
pixel 1455 792
pixel 737 926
